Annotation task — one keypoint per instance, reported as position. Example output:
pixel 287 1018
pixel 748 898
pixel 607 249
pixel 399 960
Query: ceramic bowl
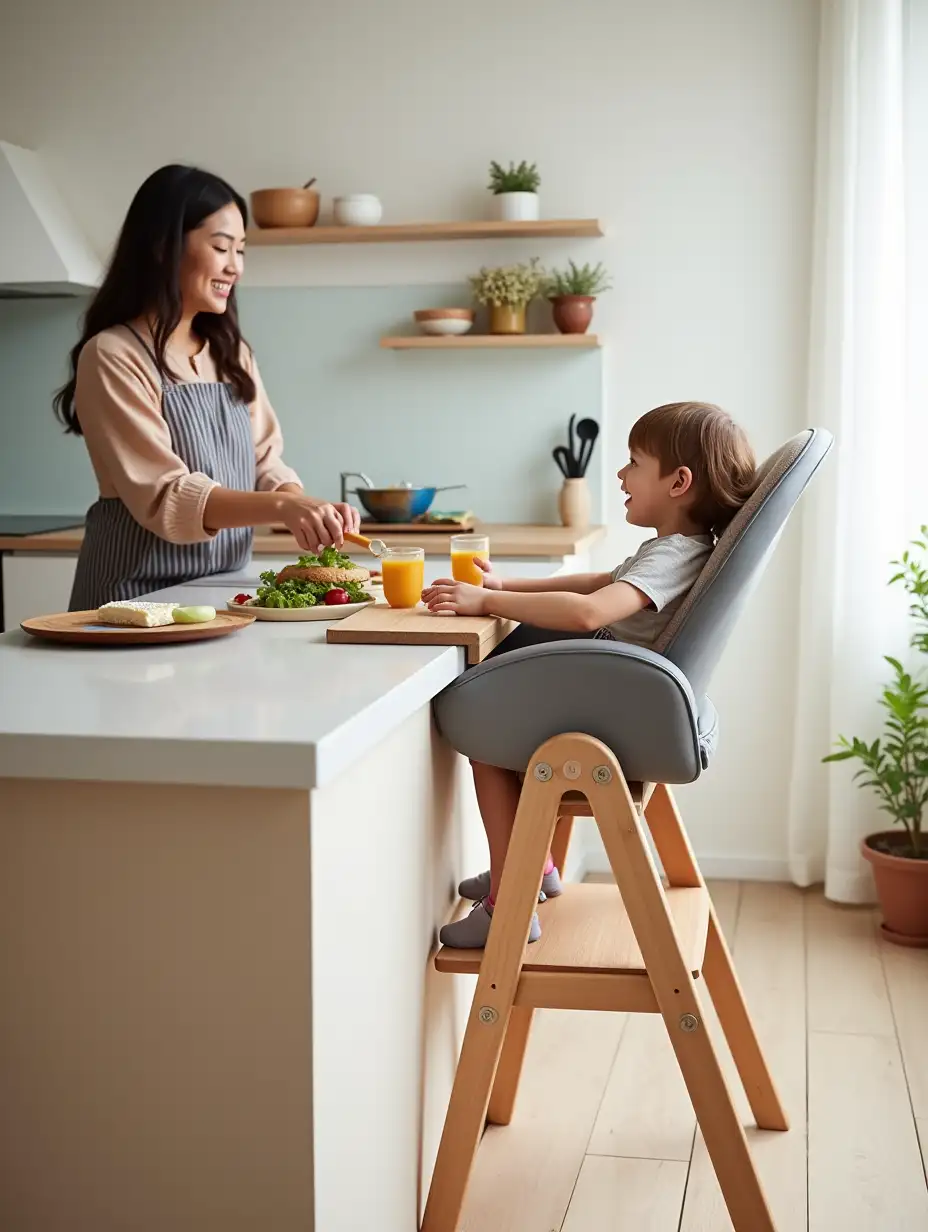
pixel 444 321
pixel 358 210
pixel 285 207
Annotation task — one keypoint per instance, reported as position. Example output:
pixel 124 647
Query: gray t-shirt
pixel 664 569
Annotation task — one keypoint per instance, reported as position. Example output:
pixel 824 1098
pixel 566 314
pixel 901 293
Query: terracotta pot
pixel 573 503
pixel 285 207
pixel 902 888
pixel 507 319
pixel 573 313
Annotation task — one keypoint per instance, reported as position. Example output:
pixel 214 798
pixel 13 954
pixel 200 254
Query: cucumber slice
pixel 193 615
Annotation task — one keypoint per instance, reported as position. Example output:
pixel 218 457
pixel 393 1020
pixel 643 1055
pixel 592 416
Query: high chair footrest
pixel 586 929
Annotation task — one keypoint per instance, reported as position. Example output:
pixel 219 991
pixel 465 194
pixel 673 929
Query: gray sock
pixel 477 888
pixel 471 933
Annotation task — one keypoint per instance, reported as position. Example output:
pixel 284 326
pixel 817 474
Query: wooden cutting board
pixel 381 625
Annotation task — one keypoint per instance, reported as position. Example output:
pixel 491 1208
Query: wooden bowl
pixel 444 321
pixel 285 207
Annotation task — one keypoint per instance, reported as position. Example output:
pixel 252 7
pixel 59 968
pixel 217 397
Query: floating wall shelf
pixel 545 228
pixel 571 342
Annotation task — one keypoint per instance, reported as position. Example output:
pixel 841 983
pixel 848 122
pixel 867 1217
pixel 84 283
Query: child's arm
pixel 577 583
pixel 574 613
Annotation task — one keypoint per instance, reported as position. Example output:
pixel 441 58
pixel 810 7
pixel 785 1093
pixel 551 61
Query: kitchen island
pixel 223 868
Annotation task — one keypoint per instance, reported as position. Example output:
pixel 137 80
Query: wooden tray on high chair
pixel 382 625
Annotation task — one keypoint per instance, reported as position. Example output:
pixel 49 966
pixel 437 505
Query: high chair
pixel 601 729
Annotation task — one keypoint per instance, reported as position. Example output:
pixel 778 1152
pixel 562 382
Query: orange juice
pixel 403 576
pixel 465 549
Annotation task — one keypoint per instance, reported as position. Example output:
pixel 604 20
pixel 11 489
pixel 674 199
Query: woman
pixel 185 446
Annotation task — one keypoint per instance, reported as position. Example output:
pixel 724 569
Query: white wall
pixel 687 127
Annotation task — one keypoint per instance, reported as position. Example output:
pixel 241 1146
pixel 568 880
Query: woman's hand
pixel 449 598
pixel 351 519
pixel 316 524
pixel 490 580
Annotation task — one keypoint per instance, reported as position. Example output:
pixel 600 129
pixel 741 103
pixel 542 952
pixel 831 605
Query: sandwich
pixel 327 578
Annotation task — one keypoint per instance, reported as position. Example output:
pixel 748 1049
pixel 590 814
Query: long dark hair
pixel 143 279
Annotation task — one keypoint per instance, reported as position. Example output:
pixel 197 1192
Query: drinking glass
pixel 403 576
pixel 465 549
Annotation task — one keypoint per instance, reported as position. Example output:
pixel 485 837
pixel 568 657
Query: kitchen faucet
pixel 346 475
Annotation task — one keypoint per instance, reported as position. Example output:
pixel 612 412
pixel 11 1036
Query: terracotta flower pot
pixel 507 318
pixel 902 888
pixel 573 313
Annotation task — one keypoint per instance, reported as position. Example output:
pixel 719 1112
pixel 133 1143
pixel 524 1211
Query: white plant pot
pixel 518 206
pixel 358 210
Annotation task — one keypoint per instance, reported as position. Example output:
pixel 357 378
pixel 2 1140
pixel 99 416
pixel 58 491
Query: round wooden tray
pixel 82 628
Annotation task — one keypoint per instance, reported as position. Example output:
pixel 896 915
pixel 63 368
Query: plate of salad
pixel 329 586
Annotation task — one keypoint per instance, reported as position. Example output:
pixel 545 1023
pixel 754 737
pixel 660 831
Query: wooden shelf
pixel 544 228
pixel 468 342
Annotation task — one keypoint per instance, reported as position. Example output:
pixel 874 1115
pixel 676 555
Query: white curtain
pixel 865 384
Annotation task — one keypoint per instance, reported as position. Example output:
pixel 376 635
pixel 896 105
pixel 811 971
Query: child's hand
pixel 490 581
pixel 449 598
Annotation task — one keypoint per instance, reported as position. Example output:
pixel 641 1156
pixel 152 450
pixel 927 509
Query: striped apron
pixel 119 559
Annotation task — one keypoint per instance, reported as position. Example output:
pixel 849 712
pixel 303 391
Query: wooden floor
pixel 604 1139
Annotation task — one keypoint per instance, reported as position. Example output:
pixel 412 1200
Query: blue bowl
pixel 396 504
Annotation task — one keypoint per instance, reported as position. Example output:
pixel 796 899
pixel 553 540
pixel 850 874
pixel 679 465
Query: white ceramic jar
pixel 358 210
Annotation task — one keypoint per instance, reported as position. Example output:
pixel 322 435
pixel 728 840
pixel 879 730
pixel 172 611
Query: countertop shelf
pixel 465 342
pixel 544 228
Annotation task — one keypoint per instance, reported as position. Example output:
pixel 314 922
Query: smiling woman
pixel 184 443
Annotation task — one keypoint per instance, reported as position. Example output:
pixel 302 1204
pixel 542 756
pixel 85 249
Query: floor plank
pixel 864 1167
pixel 907 978
pixel 646 1110
pixel 847 988
pixel 626 1195
pixel 525 1172
pixel 769 952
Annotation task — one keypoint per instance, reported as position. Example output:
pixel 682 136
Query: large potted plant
pixel 895 767
pixel 515 190
pixel 572 292
pixel 507 291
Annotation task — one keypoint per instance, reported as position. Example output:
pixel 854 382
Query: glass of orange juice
pixel 403 576
pixel 464 550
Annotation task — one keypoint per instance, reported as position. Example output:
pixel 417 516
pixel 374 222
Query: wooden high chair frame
pixel 644 949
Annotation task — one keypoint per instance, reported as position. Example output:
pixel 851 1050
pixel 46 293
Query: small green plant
pixel 524 178
pixel 509 285
pixel 578 280
pixel 895 765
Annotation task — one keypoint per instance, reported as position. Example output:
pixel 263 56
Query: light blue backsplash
pixel 484 418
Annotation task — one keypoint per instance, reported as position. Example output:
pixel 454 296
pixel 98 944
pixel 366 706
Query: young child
pixel 690 469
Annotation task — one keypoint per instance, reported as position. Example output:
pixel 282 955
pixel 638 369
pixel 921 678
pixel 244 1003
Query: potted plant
pixel 572 292
pixel 895 767
pixel 516 191
pixel 507 291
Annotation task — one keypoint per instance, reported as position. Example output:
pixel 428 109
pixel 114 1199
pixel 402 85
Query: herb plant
pixel 509 285
pixel 524 178
pixel 578 280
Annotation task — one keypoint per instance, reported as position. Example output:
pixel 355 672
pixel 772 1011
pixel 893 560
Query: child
pixel 691 468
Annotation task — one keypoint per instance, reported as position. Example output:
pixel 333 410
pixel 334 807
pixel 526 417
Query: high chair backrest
pixel 696 636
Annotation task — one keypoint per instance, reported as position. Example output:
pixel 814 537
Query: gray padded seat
pixel 649 706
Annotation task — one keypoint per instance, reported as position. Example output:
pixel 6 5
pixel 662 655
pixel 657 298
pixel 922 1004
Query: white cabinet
pixel 36 585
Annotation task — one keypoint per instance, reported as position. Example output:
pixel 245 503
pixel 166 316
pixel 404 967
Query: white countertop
pixel 272 705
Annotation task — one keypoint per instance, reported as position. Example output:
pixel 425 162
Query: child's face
pixel 651 497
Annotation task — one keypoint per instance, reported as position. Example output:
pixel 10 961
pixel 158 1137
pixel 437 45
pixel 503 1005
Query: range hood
pixel 42 251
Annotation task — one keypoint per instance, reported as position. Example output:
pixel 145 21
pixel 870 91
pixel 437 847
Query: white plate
pixel 320 612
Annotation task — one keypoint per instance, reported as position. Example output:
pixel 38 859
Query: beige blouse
pixel 118 403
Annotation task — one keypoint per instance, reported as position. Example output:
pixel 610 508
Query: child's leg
pixel 498 793
pixel 498 796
